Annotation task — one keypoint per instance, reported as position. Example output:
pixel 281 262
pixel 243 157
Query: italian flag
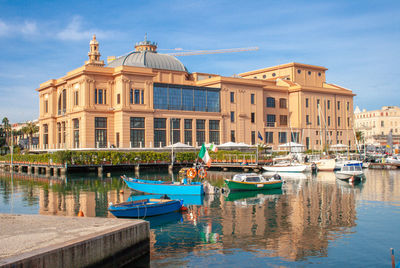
pixel 213 147
pixel 203 154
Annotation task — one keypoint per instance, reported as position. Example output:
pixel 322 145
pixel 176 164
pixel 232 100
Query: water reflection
pixel 295 223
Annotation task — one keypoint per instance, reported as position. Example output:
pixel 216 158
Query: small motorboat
pixel 145 208
pixel 164 187
pixel 350 173
pixel 253 181
pixel 286 167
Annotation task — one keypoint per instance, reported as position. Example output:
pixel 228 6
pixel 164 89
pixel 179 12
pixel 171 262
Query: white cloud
pixel 28 28
pixel 3 28
pixel 74 31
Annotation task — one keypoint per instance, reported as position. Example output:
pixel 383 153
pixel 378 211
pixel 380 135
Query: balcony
pixel 270 124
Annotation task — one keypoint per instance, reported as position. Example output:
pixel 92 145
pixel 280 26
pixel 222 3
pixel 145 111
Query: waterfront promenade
pixel 50 241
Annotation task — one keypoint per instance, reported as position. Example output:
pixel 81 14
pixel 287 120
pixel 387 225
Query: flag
pixel 203 154
pixel 213 147
pixel 260 136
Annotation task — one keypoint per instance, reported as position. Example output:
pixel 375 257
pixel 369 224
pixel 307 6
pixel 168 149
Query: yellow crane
pixel 204 52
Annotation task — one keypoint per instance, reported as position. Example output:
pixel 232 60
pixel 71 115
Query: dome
pixel 149 59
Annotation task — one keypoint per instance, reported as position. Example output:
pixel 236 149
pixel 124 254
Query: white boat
pixel 287 175
pixel 393 160
pixel 286 168
pixel 350 173
pixel 325 164
pixel 342 163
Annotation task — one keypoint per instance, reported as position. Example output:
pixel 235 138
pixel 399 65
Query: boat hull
pixel 349 176
pixel 253 186
pixel 145 209
pixel 155 187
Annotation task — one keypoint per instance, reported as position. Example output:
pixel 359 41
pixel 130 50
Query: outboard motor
pixel 277 177
pixel 165 197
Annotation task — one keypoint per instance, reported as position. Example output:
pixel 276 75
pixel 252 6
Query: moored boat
pixel 144 208
pixel 253 181
pixel 286 168
pixel 164 187
pixel 350 173
pixel 325 164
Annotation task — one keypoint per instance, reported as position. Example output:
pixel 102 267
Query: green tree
pixel 29 129
pixel 359 136
pixel 6 128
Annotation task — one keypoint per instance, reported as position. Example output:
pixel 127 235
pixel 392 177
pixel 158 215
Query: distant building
pixel 147 99
pixel 376 125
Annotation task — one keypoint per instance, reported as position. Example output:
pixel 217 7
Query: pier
pixel 50 241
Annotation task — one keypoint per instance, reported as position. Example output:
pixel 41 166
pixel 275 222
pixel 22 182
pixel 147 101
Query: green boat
pixel 253 181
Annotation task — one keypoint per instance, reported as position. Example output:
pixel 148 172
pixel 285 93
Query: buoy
pixel 80 214
pixel 121 191
pixel 183 208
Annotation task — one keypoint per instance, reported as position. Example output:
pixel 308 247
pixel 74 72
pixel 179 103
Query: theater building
pixel 145 100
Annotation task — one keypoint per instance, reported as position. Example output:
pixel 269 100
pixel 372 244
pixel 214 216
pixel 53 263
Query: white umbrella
pixel 179 145
pixel 293 147
pixel 339 147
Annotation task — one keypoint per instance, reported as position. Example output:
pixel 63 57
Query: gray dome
pixel 149 59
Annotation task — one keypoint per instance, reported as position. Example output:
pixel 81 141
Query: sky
pixel 358 41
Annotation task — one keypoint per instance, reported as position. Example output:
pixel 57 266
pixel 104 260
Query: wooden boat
pixel 325 164
pixel 350 173
pixel 144 208
pixel 164 187
pixel 253 181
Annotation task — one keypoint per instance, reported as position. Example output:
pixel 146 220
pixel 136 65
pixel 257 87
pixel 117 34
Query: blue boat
pixel 164 187
pixel 145 208
pixel 187 199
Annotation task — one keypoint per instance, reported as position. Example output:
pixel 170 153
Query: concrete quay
pixel 51 241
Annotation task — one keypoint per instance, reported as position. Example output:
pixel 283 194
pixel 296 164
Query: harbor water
pixel 315 220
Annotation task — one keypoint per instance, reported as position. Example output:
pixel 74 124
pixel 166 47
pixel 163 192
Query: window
pixel 271 120
pixel 100 130
pixel 328 104
pixel 299 71
pixel 294 136
pixel 45 135
pixel 338 121
pixel 188 131
pixel 175 127
pixel 76 98
pixel 270 102
pixel 59 133
pixel 338 105
pixel 319 74
pixel 273 74
pixel 64 134
pixel 137 129
pixel 159 132
pixel 348 121
pixel 308 143
pixel 131 96
pixel 232 117
pixel 348 106
pixel 264 76
pixel 309 72
pixel 253 117
pixel 269 137
pixel 46 106
pixel 382 123
pixel 118 98
pixel 233 136
pixel 64 102
pixel 317 103
pixel 253 137
pixel 200 131
pixel 306 102
pixel 282 137
pixel 214 131
pixel 252 98
pixel 283 120
pixel 100 96
pixel 329 120
pixel 307 119
pixel 75 123
pixel 232 97
pixel 318 121
pixel 137 96
pixel 282 103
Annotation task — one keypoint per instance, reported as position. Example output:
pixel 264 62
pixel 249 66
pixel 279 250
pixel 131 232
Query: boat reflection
pixel 165 219
pixel 238 195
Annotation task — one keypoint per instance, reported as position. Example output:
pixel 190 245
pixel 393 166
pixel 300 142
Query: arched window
pixel 59 104
pixel 64 100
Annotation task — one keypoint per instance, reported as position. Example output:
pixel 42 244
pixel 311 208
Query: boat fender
pixel 202 173
pixel 191 173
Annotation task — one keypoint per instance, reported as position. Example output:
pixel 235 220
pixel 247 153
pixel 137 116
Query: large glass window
pixel 271 102
pixel 269 137
pixel 75 123
pixel 175 97
pixel 282 137
pixel 100 127
pixel 200 131
pixel 214 131
pixel 271 119
pixel 45 135
pixel 159 132
pixel 137 127
pixel 175 126
pixel 188 131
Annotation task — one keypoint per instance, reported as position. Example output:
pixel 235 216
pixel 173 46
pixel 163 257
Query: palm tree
pixel 7 128
pixel 359 136
pixel 29 129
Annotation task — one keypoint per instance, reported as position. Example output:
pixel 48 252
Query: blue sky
pixel 358 41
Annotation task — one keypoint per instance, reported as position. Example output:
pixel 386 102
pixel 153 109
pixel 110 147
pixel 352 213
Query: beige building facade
pixel 146 99
pixel 376 125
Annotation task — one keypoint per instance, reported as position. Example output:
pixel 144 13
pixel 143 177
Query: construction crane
pixel 217 51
